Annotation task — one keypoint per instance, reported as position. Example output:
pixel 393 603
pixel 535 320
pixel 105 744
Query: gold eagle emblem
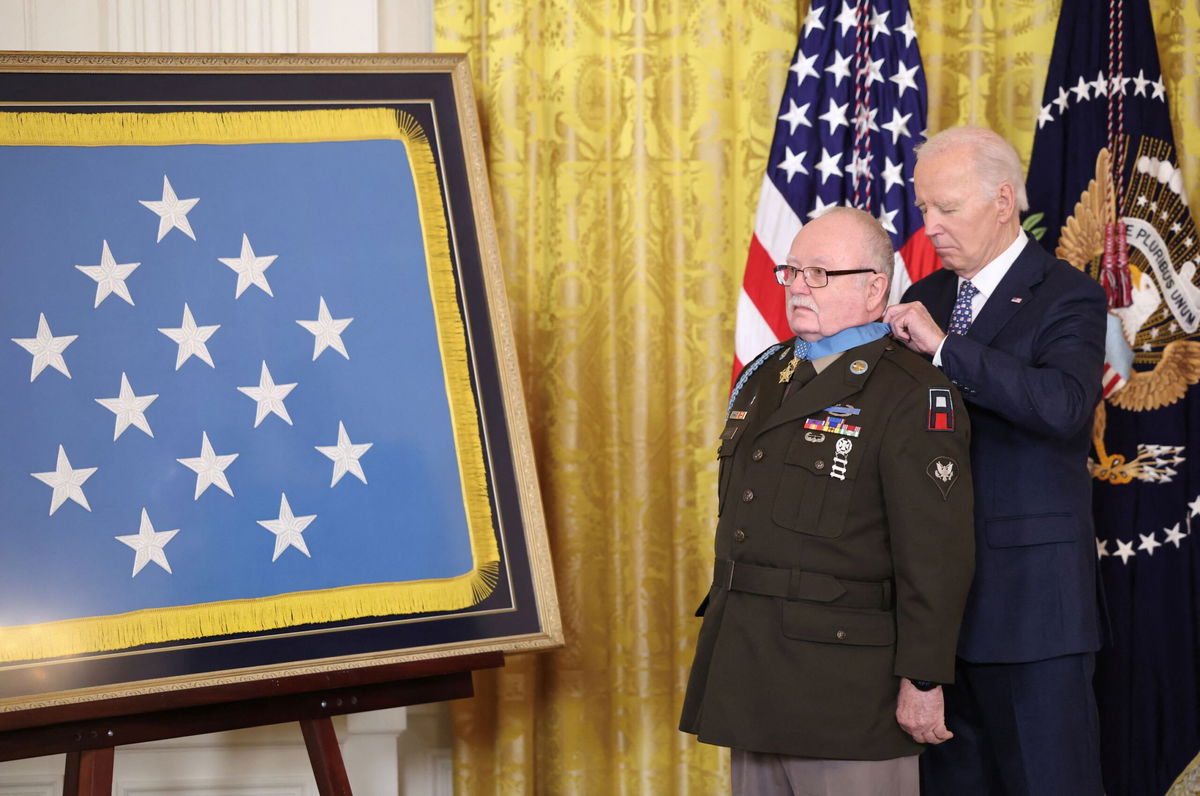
pixel 1165 355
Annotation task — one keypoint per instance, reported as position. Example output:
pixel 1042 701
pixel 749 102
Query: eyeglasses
pixel 814 276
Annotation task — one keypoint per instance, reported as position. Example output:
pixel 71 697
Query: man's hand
pixel 913 326
pixel 921 714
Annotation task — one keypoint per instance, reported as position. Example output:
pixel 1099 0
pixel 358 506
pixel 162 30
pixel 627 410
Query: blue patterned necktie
pixel 960 316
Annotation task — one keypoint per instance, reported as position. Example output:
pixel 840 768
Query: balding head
pixel 843 239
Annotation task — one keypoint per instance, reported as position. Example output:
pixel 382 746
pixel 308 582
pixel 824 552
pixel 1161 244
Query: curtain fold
pixel 626 143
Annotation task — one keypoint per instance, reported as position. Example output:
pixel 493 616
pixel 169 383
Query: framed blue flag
pixel 259 394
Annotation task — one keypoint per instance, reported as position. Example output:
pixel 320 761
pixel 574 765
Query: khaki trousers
pixel 758 774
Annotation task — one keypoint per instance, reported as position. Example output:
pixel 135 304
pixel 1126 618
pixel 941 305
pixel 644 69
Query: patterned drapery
pixel 626 142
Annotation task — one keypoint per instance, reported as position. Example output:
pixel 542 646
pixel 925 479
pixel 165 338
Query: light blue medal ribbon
pixel 844 340
pixel 802 349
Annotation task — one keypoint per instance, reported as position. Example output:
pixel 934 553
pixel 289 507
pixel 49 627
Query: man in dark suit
pixel 843 546
pixel 1022 335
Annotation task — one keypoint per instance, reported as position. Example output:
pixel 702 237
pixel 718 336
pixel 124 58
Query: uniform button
pixel 748 495
pixel 819 464
pixel 757 455
pixel 841 634
pixel 739 535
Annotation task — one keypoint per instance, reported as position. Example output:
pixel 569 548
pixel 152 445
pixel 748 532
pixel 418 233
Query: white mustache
pixel 801 301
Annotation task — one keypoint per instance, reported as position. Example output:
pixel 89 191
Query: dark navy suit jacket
pixel 1029 371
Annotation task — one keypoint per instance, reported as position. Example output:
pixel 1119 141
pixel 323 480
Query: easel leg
pixel 325 756
pixel 89 773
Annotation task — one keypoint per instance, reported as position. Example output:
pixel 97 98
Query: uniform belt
pixel 798 584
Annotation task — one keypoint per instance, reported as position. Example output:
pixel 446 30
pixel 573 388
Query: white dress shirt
pixel 987 280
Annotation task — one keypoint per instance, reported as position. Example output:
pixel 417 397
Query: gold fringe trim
pixel 198 127
pixel 154 625
pixel 157 625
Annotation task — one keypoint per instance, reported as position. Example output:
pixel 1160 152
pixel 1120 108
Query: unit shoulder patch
pixel 941 410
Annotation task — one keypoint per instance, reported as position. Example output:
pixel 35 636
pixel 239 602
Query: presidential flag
pixel 853 109
pixel 229 372
pixel 1105 188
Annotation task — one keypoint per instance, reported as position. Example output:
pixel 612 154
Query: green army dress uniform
pixel 844 553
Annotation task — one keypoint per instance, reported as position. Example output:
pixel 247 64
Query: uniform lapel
pixel 829 386
pixel 771 391
pixel 1010 295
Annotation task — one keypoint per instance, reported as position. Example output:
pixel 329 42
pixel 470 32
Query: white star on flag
pixel 1081 93
pixel 793 163
pixel 1148 543
pixel 1061 100
pixel 1140 82
pixel 269 396
pixel 905 78
pixel 1044 115
pixel 886 219
pixel 1173 535
pixel 803 67
pixel 66 482
pixel 1124 551
pixel 148 545
pixel 879 23
pixel 893 174
pixel 345 455
pixel 797 114
pixel 1102 548
pixel 813 20
pixel 829 165
pixel 898 126
pixel 874 71
pixel 46 349
pixel 848 18
pixel 130 409
pixel 835 116
pixel 172 211
pixel 288 529
pixel 908 29
pixel 250 268
pixel 840 68
pixel 327 331
pixel 191 339
pixel 209 468
pixel 110 276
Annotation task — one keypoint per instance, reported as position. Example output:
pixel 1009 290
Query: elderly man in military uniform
pixel 844 542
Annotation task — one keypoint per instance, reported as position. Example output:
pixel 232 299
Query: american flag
pixel 854 108
pixel 219 378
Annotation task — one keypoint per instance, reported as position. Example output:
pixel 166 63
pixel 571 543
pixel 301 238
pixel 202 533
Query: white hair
pixel 876 244
pixel 995 160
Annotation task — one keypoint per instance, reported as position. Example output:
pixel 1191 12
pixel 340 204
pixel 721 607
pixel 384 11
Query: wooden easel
pixel 89 731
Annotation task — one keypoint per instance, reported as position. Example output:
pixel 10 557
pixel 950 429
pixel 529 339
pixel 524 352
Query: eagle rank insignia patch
pixel 944 472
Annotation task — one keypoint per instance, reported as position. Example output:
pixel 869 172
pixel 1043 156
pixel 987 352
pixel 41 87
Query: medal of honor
pixel 785 375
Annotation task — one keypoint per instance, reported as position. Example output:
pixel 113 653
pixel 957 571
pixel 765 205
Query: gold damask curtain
pixel 626 143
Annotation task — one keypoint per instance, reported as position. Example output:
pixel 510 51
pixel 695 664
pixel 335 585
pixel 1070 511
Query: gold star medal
pixel 785 375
